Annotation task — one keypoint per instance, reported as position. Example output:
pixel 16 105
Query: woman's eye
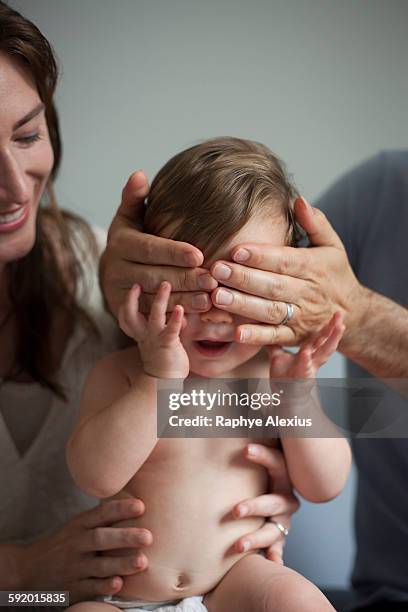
pixel 29 139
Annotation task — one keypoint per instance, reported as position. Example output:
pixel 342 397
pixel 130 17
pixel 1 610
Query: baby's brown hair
pixel 211 190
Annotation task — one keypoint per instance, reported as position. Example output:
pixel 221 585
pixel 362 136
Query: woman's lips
pixel 211 348
pixel 11 221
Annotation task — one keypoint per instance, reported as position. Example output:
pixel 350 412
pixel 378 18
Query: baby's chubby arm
pixel 117 428
pixel 116 431
pixel 318 467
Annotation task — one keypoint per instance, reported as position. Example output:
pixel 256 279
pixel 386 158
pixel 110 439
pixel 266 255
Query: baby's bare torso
pixel 189 488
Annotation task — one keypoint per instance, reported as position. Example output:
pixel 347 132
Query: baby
pixel 214 195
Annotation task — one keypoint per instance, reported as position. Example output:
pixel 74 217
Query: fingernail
pixel 221 271
pixel 244 334
pixel 206 281
pixel 242 255
pixel 245 545
pixel 223 297
pixel 252 450
pixel 200 301
pixel 243 510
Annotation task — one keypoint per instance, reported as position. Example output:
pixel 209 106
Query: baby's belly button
pixel 182 581
pixel 164 579
pixel 160 584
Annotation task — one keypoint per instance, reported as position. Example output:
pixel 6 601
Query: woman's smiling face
pixel 209 337
pixel 26 159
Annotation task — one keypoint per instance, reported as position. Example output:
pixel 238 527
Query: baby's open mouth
pixel 212 348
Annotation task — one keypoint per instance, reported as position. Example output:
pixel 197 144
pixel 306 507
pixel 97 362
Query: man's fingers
pixel 133 196
pixel 257 282
pixel 290 261
pixel 110 512
pixel 284 260
pixel 191 301
pixel 137 247
pixel 316 225
pixel 265 334
pixel 194 300
pixel 150 277
pixel 251 306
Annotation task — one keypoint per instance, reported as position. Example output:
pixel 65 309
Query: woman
pixel 48 340
pixel 52 328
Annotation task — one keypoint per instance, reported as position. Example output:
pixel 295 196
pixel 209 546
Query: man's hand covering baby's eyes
pixel 292 292
pixel 132 256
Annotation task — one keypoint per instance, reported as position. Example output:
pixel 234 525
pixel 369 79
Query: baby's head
pixel 222 192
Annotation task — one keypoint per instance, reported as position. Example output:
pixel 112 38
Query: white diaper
pixel 190 604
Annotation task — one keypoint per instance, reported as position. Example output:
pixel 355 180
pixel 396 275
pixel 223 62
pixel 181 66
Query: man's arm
pixel 378 338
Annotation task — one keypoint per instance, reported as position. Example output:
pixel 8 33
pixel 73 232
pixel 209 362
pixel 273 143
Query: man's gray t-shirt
pixel 368 208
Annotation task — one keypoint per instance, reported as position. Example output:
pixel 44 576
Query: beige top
pixel 37 493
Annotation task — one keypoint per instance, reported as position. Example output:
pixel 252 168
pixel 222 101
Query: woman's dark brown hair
pixel 39 289
pixel 208 192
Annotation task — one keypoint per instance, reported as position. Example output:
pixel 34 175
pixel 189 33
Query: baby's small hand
pixel 312 354
pixel 159 343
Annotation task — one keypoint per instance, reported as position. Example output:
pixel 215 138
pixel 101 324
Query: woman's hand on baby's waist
pixel 72 560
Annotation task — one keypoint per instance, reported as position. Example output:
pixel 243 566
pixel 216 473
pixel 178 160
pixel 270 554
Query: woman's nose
pixel 14 187
pixel 215 315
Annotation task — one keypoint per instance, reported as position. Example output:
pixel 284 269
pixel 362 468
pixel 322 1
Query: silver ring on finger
pixel 284 530
pixel 289 313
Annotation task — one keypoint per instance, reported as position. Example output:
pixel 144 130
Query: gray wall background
pixel 322 82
